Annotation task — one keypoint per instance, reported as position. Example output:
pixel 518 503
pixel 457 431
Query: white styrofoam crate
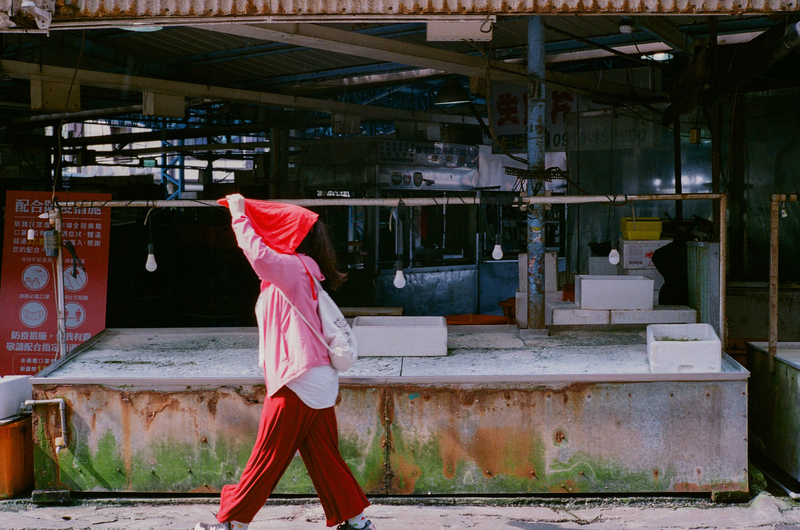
pixel 613 292
pixel 660 314
pixel 521 307
pixel 638 253
pixel 14 389
pixel 680 348
pixel 568 314
pixel 400 336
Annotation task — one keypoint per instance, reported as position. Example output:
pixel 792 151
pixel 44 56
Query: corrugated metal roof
pixel 112 9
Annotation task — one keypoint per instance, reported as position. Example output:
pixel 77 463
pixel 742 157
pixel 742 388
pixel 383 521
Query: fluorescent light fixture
pixel 142 29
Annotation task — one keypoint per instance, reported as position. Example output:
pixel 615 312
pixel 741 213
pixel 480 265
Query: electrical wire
pixel 64 116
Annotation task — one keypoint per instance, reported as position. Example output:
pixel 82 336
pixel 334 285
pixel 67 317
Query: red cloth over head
pixel 282 226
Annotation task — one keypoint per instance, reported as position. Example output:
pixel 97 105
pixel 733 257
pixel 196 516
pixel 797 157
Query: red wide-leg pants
pixel 288 425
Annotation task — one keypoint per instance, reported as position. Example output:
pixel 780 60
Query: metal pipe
pixel 789 492
pixel 723 270
pixel 676 140
pixel 411 201
pixel 77 116
pixel 774 220
pixel 61 321
pixel 535 137
pixel 61 441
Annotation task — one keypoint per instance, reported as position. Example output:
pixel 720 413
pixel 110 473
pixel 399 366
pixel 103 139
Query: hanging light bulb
pixel 31 234
pixel 151 264
pixel 497 252
pixel 399 279
pixel 613 256
pixel 784 215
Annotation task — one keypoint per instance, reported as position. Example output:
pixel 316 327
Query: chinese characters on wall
pixel 28 336
pixel 510 117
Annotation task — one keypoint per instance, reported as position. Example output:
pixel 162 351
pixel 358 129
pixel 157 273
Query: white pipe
pixel 407 201
pixel 790 493
pixel 61 441
pixel 61 321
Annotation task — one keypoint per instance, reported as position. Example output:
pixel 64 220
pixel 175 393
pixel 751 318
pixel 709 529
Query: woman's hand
pixel 236 205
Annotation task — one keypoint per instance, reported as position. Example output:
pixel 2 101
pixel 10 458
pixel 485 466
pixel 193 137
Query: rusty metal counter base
pixel 529 434
pixel 775 397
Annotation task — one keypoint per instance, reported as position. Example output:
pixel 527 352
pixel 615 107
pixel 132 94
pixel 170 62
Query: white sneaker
pixel 215 526
pixel 232 525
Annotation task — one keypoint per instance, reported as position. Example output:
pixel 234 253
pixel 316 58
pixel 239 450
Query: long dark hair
pixel 318 245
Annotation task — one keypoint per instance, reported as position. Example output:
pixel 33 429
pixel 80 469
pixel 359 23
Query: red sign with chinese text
pixel 28 327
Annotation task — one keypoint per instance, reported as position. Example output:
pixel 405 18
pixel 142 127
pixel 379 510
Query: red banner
pixel 28 327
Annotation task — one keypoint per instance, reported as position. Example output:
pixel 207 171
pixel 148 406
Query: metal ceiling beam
pixel 349 43
pixel 359 45
pixel 243 129
pixel 134 83
pixel 662 29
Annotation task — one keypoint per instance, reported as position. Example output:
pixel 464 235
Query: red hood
pixel 282 226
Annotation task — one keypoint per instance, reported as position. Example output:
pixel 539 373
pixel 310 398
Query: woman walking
pixel 288 247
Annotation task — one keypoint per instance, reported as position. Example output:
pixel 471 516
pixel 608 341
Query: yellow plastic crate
pixel 645 228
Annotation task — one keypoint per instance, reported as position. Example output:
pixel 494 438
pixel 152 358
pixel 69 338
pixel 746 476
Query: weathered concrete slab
pixel 573 413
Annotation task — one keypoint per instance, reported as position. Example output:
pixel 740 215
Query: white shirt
pixel 317 387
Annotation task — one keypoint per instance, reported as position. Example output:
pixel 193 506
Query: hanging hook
pixel 491 23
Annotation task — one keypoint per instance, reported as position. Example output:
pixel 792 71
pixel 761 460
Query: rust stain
pixel 406 472
pixel 205 488
pixel 655 474
pixel 212 405
pixel 127 444
pixel 451 452
pixel 560 437
pixel 386 408
pixel 689 487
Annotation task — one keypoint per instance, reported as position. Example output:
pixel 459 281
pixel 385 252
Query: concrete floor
pixel 764 512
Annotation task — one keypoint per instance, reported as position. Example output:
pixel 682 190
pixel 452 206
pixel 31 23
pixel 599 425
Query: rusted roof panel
pixel 188 11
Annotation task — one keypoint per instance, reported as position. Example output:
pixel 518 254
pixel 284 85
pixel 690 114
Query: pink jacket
pixel 286 346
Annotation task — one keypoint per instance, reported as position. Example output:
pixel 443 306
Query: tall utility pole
pixel 535 136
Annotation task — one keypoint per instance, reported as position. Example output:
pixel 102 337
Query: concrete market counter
pixel 176 410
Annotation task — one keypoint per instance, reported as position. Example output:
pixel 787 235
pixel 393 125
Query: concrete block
pixel 568 314
pixel 638 254
pixel 679 348
pixel 613 292
pixel 665 314
pixel 400 336
pixel 521 307
pixel 14 389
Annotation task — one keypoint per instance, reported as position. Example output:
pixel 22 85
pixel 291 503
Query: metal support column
pixel 535 137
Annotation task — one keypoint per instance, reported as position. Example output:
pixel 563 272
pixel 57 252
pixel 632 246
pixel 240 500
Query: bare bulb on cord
pixel 497 252
pixel 151 264
pixel 399 279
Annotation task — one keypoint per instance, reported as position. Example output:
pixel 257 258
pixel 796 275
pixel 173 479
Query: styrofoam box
pixel 638 253
pixel 658 280
pixel 14 389
pixel 613 292
pixel 564 315
pixel 660 314
pixel 680 348
pixel 400 336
